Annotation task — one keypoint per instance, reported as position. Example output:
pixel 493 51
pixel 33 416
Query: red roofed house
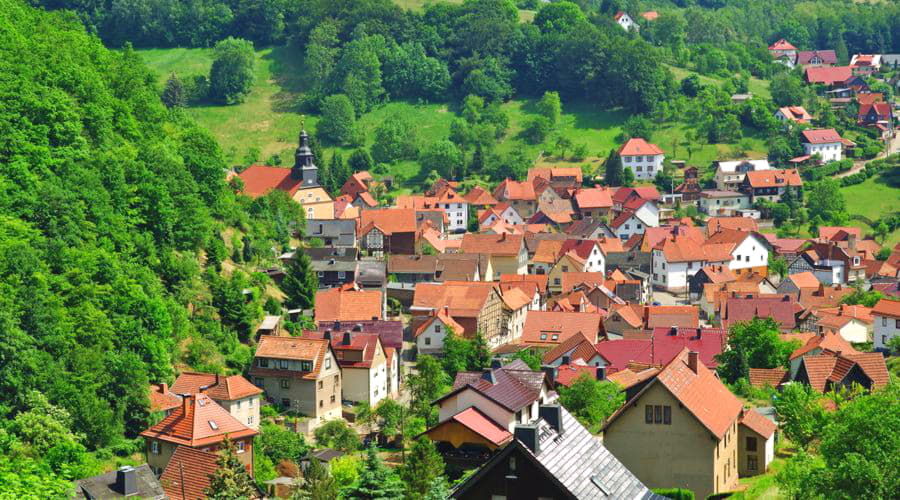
pixel 796 114
pixel 829 76
pixel 162 399
pixel 471 428
pixel 548 328
pixel 650 15
pixel 770 185
pixel 364 365
pixel 234 393
pixel 507 251
pixel 876 114
pixel 358 183
pixel 886 315
pixel 430 334
pixel 825 142
pixel 865 64
pixel 644 159
pixel 594 202
pixel 347 304
pixel 520 195
pixel 388 230
pixel 479 197
pixel 300 374
pixel 300 182
pixel 567 374
pixel 198 423
pixel 625 21
pixel 680 430
pixel 831 370
pixel 744 307
pixel 473 306
pixel 808 58
pixel 188 474
pixel 784 51
pixel 578 348
pixel 756 443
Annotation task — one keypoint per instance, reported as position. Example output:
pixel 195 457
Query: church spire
pixel 304 161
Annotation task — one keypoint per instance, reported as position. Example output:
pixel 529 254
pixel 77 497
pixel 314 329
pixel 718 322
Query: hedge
pixel 675 493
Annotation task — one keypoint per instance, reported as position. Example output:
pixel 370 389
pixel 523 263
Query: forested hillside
pixel 107 200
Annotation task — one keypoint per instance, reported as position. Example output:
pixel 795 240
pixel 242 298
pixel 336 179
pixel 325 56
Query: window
pixel 337 380
pixel 328 362
pixel 554 337
pixel 342 275
pixel 648 414
pixel 437 328
pixel 285 383
pixel 250 420
pixel 240 446
pixel 250 403
pixel 427 340
pixel 213 425
pixel 751 443
pixel 263 362
pixel 332 398
pixel 320 274
pixel 565 269
pixel 519 416
pixel 543 336
pixel 556 281
pixel 897 323
pixel 306 366
pixel 626 227
pixel 154 447
pixel 321 403
pixel 667 415
pixel 260 382
pixel 321 384
pixel 283 364
pixel 657 414
pixel 639 168
pixel 751 462
pixel 883 321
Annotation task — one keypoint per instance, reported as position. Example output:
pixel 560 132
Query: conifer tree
pixel 173 95
pixel 376 480
pixel 300 283
pixel 614 175
pixel 318 484
pixel 231 480
pixel 423 465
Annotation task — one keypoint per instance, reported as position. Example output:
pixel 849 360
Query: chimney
pixel 358 327
pixel 126 480
pixel 552 414
pixel 851 241
pixel 693 360
pixel 673 330
pixel 488 375
pixel 528 436
pixel 447 310
pixel 346 339
pixel 502 236
pixel 185 402
pixel 164 388
pixel 217 379
pixel 566 360
pixel 327 335
pixel 496 363
pixel 601 373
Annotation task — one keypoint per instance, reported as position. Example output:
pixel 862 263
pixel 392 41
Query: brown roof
pixel 199 421
pixel 774 178
pixel 701 393
pixel 572 279
pixel 633 375
pixel 219 388
pixel 555 173
pixel 823 296
pixel 638 146
pixel 874 365
pixel 887 307
pixel 259 180
pixel 297 348
pixel 480 196
pixel 187 475
pixel 389 220
pixel 347 304
pixel 425 264
pixel 512 386
pixel 464 299
pixel 759 424
pixel 552 327
pixel 668 316
pixel 713 224
pixel 492 244
pixel 581 346
pixel 761 377
pixel 162 399
pixel 821 136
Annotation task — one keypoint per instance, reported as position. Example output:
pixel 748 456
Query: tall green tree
pixel 428 383
pixel 801 415
pixel 395 139
pixel 376 480
pixel 317 483
pixel 421 468
pixel 231 480
pixel 825 199
pixel 360 160
pixel 613 175
pixel 231 75
pixel 300 283
pixel 338 435
pixel 174 95
pixel 592 401
pixel 338 119
pixel 444 157
pixel 753 344
pixel 550 107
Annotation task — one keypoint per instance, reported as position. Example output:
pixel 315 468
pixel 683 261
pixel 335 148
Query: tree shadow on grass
pixel 286 67
pixel 889 177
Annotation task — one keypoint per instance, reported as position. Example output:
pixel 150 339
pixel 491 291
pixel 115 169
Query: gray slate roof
pixel 104 486
pixel 579 460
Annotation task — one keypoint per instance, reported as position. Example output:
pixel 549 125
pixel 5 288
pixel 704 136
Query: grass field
pixel 756 86
pixel 525 16
pixel 874 198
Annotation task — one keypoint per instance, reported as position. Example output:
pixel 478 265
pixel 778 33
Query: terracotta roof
pixel 713 224
pixel 821 136
pixel 540 280
pixel 887 307
pixel 553 173
pixel 774 178
pixel 199 421
pixel 445 318
pixel 187 475
pixel 718 274
pixel 874 365
pixel 633 314
pixel 480 196
pixel 473 419
pixel 389 220
pixel 796 114
pixel 550 327
pixel 828 75
pixel 829 340
pixel 515 190
pixel 761 377
pixel 594 198
pixel 259 180
pixel 870 98
pixel 567 374
pixel 781 308
pixel 492 244
pixel 671 316
pixel 366 344
pixel 823 296
pixel 162 399
pixel 650 15
pixel 759 424
pixel 638 146
pixel 833 367
pixel 700 392
pixel 663 347
pixel 367 199
pixel 632 376
pixel 424 264
pixel 303 349
pixel 219 388
pixel 827 56
pixel 580 345
pixel 357 183
pixel 463 299
pixel 572 279
pixel 681 249
pixel 512 386
pixel 861 313
pixel 806 279
pixel 624 194
pixel 782 44
pixel 347 304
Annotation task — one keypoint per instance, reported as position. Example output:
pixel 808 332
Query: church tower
pixel 304 166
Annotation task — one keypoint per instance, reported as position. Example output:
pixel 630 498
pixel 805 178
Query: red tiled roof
pixel 580 345
pixel 663 347
pixel 806 279
pixel 594 198
pixel 713 224
pixel 887 307
pixel 541 326
pixel 553 173
pixel 796 113
pixel 761 377
pixel 297 348
pixel 827 56
pixel 515 190
pixel 873 364
pixel 637 146
pixel 774 178
pixel 343 304
pixel 829 340
pixel 446 319
pixel 759 424
pixel 187 475
pixel 821 136
pixel 464 299
pixel 650 15
pixel 623 194
pixel 199 421
pixel 882 109
pixel 541 280
pixel 781 308
pixel 839 233
pixel 480 196
pixel 259 180
pixel 633 375
pixel 492 244
pixel 671 316
pixel 479 423
pixel 782 44
pixel 828 75
pixel 162 399
pixel 366 344
pixel 567 374
pixel 357 183
pixel 389 220
pixel 219 388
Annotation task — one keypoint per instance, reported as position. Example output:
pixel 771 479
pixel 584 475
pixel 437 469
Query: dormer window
pixel 212 425
pixel 306 366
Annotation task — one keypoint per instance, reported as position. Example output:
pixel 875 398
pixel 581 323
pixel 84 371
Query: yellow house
pixel 507 251
pixel 568 263
pixel 680 430
pixel 316 202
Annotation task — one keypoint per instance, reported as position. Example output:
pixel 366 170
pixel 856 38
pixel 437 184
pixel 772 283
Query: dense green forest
pixel 108 201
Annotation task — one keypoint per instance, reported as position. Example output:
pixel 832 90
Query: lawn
pixel 874 198
pixel 525 16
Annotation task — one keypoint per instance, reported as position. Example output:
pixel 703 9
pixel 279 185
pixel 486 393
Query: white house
pixel 642 158
pixel 730 174
pixel 430 334
pixel 723 202
pixel 825 142
pixel 749 250
pixel 502 211
pixel 625 21
pixel 676 259
pixel 886 314
pixel 638 215
pixel 457 209
pixel 364 365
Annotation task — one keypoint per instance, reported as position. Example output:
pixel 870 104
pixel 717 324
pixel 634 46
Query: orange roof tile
pixel 551 327
pixel 829 340
pixel 187 475
pixel 887 307
pixel 638 146
pixel 492 244
pixel 821 136
pixel 541 280
pixel 759 424
pixel 297 348
pixel 713 224
pixel 632 376
pixel 444 318
pixel 389 220
pixel 515 190
pixel 464 299
pixel 805 279
pixel 774 178
pixel 480 196
pixel 568 374
pixel 594 198
pixel 259 180
pixel 515 298
pixel 199 421
pixel 773 377
pixel 340 304
pixel 828 75
pixel 162 399
pixel 782 44
pixel 219 388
